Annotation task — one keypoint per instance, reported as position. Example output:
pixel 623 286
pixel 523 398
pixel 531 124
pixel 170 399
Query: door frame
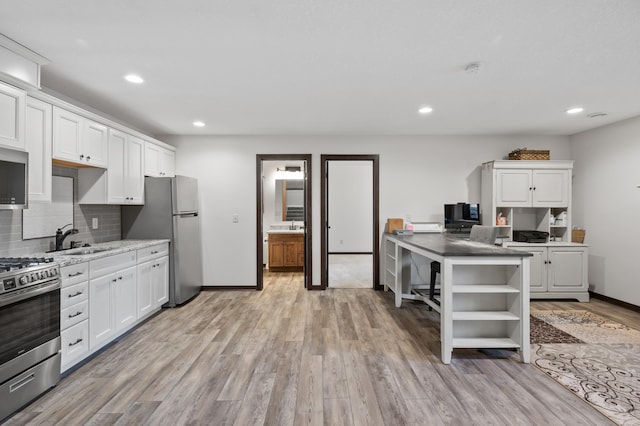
pixel 307 213
pixel 324 193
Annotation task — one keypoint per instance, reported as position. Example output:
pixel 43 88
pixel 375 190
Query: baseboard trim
pixel 616 302
pixel 229 287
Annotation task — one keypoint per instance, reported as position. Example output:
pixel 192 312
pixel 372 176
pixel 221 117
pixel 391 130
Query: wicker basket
pixel 530 154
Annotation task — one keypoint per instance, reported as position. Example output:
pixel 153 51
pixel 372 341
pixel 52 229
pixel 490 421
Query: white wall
pixel 417 176
pixel 606 202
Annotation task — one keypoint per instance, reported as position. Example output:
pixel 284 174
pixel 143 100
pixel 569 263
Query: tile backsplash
pixel 108 216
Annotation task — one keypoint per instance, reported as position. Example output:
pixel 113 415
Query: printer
pixel 530 236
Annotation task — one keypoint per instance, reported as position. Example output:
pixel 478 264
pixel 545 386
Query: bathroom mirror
pixel 289 200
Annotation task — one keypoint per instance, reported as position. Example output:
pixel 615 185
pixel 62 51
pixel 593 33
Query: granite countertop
pixel 450 246
pixel 114 247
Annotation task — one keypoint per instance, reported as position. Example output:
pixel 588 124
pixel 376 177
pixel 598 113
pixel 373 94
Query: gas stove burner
pixel 13 263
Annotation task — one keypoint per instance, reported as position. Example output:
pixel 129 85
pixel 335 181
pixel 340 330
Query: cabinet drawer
pixel 74 274
pixel 74 294
pixel 107 265
pixel 75 343
pixel 153 252
pixel 74 314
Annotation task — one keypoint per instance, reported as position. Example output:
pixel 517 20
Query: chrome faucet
pixel 60 236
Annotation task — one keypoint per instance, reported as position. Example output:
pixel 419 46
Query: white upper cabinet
pixel 12 117
pixel 79 140
pixel 115 172
pixel 38 145
pixel 551 188
pixel 532 188
pixel 95 145
pixel 134 171
pixel 159 161
pixel 125 181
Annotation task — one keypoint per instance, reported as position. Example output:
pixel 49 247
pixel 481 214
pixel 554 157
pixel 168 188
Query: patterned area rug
pixel 595 358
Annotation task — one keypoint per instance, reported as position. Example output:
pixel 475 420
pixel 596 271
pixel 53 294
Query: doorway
pixel 283 212
pixel 350 230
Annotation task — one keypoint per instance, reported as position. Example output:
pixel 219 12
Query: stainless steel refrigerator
pixel 170 211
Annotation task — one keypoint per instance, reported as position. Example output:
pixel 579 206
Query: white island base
pixel 484 296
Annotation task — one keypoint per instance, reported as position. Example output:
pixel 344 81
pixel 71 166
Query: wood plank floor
pixel 286 356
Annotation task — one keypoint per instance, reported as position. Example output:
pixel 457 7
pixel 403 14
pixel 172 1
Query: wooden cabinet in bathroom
pixel 286 252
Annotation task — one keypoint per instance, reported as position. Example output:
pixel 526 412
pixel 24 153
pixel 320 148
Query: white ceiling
pixel 256 67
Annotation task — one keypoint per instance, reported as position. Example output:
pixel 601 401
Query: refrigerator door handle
pixel 189 214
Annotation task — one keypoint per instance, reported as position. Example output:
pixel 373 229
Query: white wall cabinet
pixel 532 187
pixel 529 195
pixel 123 181
pixel 38 136
pixel 125 178
pixel 12 116
pixel 557 271
pixel 159 161
pixel 79 140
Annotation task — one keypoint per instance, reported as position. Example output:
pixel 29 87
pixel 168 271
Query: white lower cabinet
pixel 102 311
pixel 103 298
pixel 153 279
pixel 75 344
pixel 74 314
pixel 557 271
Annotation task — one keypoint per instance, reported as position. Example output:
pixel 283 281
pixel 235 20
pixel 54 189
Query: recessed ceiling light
pixel 198 123
pixel 574 110
pixel 425 110
pixel 132 78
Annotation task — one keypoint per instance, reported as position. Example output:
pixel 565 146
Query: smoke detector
pixel 472 68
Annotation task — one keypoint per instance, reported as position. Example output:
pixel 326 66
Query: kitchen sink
pixel 87 250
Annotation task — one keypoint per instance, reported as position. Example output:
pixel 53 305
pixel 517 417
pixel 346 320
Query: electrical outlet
pixel 236 218
pixel 94 223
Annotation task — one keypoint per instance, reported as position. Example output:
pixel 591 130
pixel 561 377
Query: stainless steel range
pixel 29 330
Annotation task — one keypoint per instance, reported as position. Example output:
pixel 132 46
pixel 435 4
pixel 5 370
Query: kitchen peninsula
pixel 484 290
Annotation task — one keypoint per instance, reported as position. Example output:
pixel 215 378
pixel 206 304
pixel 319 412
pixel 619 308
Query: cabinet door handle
pixel 75 315
pixel 81 156
pixel 114 280
pixel 119 278
pixel 88 157
pixel 76 294
pixel 534 188
pixel 154 252
pixel 76 342
pixel 75 275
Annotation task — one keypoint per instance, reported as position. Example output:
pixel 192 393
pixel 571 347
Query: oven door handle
pixel 7 299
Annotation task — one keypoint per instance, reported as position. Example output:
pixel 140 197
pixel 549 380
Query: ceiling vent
pixel 472 68
pixel 597 114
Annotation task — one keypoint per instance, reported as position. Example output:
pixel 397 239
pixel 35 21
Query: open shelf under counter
pixel 484 288
pixel 486 342
pixel 484 316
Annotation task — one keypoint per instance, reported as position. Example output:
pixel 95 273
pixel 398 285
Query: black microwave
pixel 14 179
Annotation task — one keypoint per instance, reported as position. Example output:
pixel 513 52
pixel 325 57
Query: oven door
pixel 29 328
